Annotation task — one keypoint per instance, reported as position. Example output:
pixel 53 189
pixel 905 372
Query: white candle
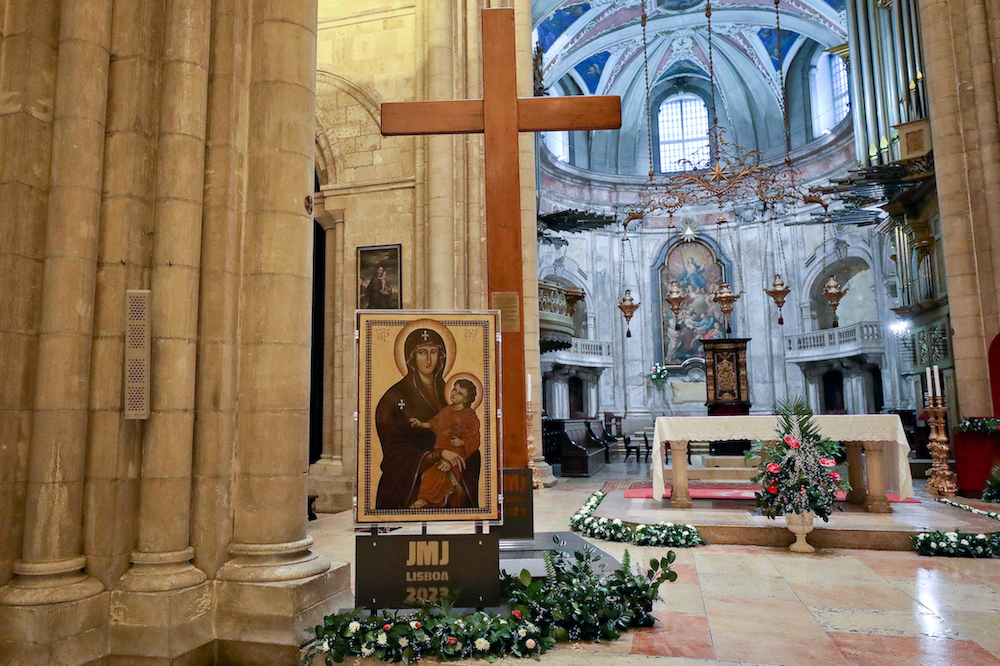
pixel 528 376
pixel 937 382
pixel 930 386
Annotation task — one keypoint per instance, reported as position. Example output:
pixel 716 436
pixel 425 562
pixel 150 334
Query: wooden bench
pixel 581 451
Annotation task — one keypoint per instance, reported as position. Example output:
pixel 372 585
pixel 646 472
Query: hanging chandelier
pixel 736 178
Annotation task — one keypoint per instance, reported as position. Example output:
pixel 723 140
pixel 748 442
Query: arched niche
pixel 858 304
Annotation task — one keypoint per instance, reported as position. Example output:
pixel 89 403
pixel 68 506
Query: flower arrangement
pixel 576 601
pixel 959 544
pixel 796 472
pixel 979 425
pixel 613 529
pixel 431 630
pixel 992 491
pixel 659 374
pixel 956 544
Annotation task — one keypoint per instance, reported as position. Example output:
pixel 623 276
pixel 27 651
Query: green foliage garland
pixel 979 425
pixel 796 471
pixel 959 544
pixel 576 601
pixel 667 535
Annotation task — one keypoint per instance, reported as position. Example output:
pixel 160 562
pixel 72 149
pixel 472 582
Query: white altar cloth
pixel 847 428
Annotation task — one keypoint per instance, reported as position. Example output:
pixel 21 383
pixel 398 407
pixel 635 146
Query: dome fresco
pixel 599 46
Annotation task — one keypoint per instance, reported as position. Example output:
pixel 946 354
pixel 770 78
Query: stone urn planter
pixel 800 524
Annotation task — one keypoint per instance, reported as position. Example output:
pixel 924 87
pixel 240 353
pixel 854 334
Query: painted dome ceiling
pixel 596 47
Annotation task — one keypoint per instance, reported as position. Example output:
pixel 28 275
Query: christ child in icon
pixel 457 429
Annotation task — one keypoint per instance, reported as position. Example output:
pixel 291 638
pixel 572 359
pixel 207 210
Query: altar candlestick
pixel 937 382
pixel 930 386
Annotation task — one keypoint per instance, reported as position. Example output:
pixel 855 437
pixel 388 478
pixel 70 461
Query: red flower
pixel 386 627
pixel 835 476
pixel 416 625
pixel 791 441
pixel 451 640
pixel 826 462
pixel 773 468
pixel 517 614
pixel 771 489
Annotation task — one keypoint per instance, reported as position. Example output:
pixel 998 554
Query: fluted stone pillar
pixel 51 567
pixel 270 542
pixel 162 560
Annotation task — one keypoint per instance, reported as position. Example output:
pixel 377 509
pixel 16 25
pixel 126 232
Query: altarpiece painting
pixel 429 446
pixel 698 273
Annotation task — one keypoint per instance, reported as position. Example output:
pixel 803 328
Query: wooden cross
pixel 500 115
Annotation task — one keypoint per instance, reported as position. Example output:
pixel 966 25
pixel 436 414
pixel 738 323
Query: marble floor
pixel 735 604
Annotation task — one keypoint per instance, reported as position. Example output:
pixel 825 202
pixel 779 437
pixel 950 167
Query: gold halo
pixel 439 328
pixel 472 378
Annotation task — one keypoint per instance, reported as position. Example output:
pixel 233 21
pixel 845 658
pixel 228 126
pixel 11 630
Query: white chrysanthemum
pixel 367 650
pixel 403 642
pixel 325 645
pixel 482 644
pixel 521 633
pixel 381 639
pixel 354 627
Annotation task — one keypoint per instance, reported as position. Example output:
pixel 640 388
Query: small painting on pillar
pixel 428 431
pixel 379 278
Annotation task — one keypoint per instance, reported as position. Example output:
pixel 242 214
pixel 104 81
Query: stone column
pixel 875 501
pixel 855 472
pixel 271 458
pixel 966 240
pixel 441 159
pixel 162 560
pixel 331 478
pixel 51 568
pixel 219 301
pixel 680 496
pixel 29 39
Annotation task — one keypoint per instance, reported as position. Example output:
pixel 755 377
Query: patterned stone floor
pixel 758 605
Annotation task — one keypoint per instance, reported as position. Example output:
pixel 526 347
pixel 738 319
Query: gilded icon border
pixel 394 390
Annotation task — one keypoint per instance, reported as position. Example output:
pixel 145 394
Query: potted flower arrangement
pixel 658 375
pixel 797 472
pixel 976 447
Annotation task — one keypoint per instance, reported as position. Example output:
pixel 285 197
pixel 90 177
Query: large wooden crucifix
pixel 500 115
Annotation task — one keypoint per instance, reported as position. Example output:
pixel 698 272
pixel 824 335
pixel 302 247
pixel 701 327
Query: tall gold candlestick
pixel 942 481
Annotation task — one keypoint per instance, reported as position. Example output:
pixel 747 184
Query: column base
pixel 278 614
pixel 71 632
pixel 161 626
pixel 545 475
pixel 877 505
pixel 334 490
pixel 160 572
pixel 269 563
pixel 42 583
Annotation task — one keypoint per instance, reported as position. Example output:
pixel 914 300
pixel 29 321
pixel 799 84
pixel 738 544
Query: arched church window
pixel 828 87
pixel 682 124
